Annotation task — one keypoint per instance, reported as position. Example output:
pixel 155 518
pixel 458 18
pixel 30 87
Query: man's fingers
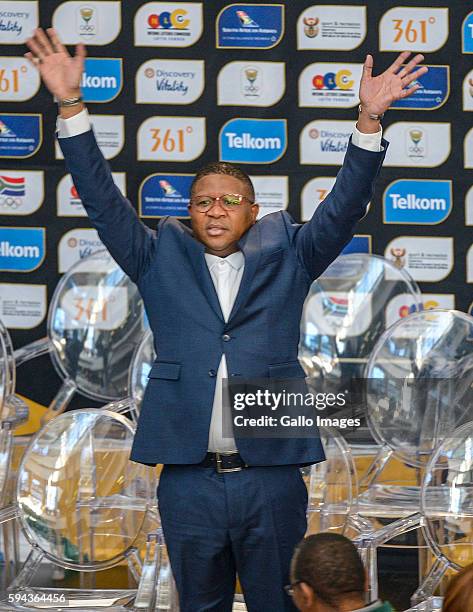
pixel 411 65
pixel 32 44
pixel 368 66
pixel 398 62
pixel 81 51
pixel 56 43
pixel 405 93
pixel 413 76
pixel 32 59
pixel 43 40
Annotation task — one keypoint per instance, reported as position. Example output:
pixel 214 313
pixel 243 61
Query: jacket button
pixel 212 373
pixel 226 337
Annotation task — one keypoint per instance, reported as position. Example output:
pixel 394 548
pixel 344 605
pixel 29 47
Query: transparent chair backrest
pixel 7 364
pixel 140 367
pixel 80 499
pixel 333 483
pixel 447 498
pixel 95 322
pixel 347 309
pixel 418 382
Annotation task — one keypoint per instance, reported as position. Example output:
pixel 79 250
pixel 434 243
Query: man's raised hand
pixel 378 93
pixel 60 72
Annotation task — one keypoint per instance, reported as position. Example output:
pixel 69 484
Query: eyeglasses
pixel 228 201
pixel 289 588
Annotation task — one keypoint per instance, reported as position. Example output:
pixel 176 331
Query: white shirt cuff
pixel 371 142
pixel 78 124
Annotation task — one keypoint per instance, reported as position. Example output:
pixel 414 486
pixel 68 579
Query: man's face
pixel 219 229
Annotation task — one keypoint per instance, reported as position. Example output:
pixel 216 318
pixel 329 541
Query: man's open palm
pixel 60 72
pixel 378 93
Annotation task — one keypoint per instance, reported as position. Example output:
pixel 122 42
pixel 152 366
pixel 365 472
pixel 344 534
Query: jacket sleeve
pixel 130 242
pixel 319 241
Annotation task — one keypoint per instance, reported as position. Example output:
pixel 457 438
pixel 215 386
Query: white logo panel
pixel 314 193
pixel 416 144
pixel 19 80
pixel 251 83
pixel 331 28
pixel 21 192
pixel 110 134
pixel 77 244
pixel 468 149
pixel 468 92
pixel 93 23
pixel 428 259
pixel 330 85
pixel 168 24
pixel 271 193
pixel 171 138
pixel 17 21
pixel 169 81
pixel 22 306
pixel 469 265
pixel 413 28
pixel 325 142
pixel 68 201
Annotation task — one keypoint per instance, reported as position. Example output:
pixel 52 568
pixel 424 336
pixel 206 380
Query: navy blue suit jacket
pixel 282 259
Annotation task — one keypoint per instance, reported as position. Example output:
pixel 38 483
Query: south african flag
pixel 12 186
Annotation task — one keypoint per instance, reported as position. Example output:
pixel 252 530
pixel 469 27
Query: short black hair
pixel 226 168
pixel 331 565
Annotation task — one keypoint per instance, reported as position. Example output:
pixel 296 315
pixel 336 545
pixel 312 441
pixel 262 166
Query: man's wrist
pixel 366 123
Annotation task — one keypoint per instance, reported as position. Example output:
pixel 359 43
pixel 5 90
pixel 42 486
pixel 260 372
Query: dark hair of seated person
pixel 459 594
pixel 330 564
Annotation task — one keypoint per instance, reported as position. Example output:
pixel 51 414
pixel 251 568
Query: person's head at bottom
pixel 327 575
pixel 459 594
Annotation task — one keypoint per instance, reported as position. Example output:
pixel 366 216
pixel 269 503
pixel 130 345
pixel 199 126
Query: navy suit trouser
pixel 216 525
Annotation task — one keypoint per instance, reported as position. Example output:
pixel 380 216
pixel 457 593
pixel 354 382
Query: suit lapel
pixel 250 244
pixel 196 252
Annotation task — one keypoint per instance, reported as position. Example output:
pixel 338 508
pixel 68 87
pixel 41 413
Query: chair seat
pixel 389 501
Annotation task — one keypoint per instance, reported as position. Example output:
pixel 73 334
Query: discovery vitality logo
pixel 253 141
pixel 424 202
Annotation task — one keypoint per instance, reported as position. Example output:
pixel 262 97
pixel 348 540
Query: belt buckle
pixel 220 469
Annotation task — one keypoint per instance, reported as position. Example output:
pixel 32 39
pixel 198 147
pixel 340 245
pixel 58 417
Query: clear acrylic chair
pixel 13 413
pixel 418 389
pixel 95 321
pixel 82 505
pixel 447 509
pixel 346 311
pixel 332 485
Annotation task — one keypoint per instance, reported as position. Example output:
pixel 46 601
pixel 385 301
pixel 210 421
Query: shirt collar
pixel 236 260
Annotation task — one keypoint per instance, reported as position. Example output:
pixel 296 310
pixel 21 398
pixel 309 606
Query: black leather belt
pixel 224 462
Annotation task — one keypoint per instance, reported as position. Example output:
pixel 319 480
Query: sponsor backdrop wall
pixel 273 86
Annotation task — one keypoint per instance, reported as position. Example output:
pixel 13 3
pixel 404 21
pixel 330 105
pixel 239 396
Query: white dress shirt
pixel 226 273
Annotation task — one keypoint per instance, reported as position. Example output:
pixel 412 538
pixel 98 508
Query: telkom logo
pixel 250 141
pixel 101 79
pixel 22 249
pixel 426 202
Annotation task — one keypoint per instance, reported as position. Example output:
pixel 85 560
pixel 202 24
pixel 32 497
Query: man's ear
pixel 304 596
pixel 255 211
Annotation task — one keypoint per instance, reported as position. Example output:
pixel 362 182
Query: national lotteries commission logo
pixel 168 24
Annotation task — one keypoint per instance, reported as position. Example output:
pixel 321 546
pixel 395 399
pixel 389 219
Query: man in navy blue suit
pixel 224 299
